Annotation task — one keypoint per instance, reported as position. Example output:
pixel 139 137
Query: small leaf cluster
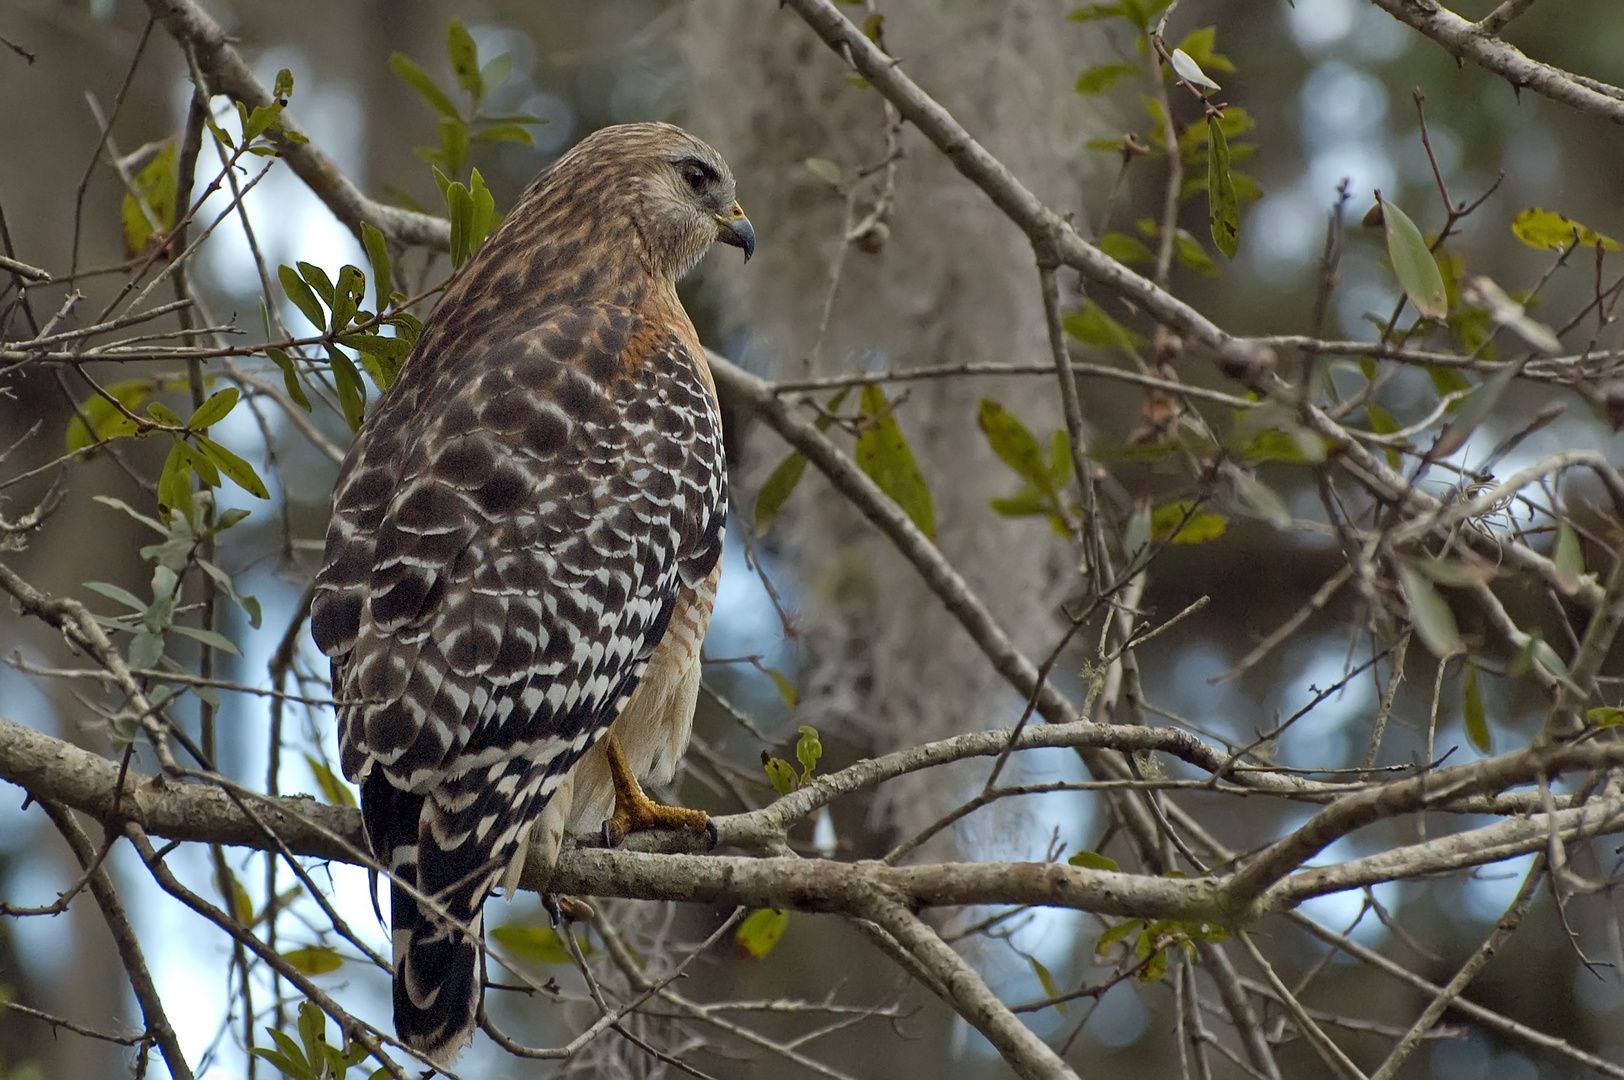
pixel 1207 150
pixel 111 415
pixel 1045 475
pixel 1155 940
pixel 458 128
pixel 148 622
pixel 262 125
pixel 808 750
pixel 882 452
pixel 312 1057
pixel 334 308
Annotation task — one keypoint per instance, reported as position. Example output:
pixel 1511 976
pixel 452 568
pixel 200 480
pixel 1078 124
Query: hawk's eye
pixel 696 174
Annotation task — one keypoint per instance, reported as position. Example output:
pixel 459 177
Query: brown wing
pixel 507 543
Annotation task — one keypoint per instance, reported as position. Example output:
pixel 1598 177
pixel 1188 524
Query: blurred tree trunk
pixel 954 283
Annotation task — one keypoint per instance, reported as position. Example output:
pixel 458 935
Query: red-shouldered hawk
pixel 524 550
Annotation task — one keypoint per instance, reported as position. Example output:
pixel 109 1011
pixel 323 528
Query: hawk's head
pixel 676 190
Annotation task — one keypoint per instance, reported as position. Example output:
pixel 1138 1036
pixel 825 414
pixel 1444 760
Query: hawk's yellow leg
pixel 635 811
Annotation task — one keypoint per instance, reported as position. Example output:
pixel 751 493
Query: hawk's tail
pixel 437 982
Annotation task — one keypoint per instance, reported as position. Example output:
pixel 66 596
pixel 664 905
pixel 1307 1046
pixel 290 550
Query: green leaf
pixel 121 595
pixel 1477 724
pixel 223 579
pixel 1569 559
pixel 760 931
pixel 1028 503
pixel 106 421
pixel 348 293
pixel 351 394
pixel 1472 411
pixel 808 751
pixel 1417 270
pixel 1093 12
pixel 779 772
pixel 1605 717
pixel 1124 248
pixel 824 170
pixel 1544 229
pixel 484 215
pixel 538 944
pixel 283 86
pixel 1101 77
pixel 146 650
pixel 1192 256
pixel 1092 326
pixel 460 209
pixel 784 686
pixel 1197 527
pixel 175 483
pixel 240 904
pixel 120 504
pixel 778 488
pixel 1093 860
pixel 1200 44
pixel 164 414
pixel 1117 933
pixel 1014 444
pixel 256 123
pixel 507 132
pixel 214 410
pixel 407 326
pixel 495 73
pixel 1429 613
pixel 293 1070
pixel 155 185
pixel 1191 72
pixel 201 465
pixel 314 959
pixel 407 71
pixel 302 296
pixel 318 281
pixel 208 637
pixel 1222 204
pixel 464 57
pixel 335 791
pixel 240 472
pixel 883 453
pixel 1383 422
pixel 290 376
pixel 1261 498
pixel 1046 980
pixel 380 356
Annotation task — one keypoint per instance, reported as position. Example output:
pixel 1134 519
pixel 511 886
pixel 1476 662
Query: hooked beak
pixel 736 230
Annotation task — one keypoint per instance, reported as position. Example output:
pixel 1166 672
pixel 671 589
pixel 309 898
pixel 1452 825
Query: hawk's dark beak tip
pixel 740 234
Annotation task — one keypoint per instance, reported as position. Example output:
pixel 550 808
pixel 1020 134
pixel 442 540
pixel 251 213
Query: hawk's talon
pixel 635 811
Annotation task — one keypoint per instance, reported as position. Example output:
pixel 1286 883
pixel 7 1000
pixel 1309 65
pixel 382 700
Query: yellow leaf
pixel 314 959
pixel 1544 229
pixel 760 931
pixel 155 186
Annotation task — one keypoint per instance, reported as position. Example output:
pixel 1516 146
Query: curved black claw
pixel 609 837
pixel 554 912
pixel 712 837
